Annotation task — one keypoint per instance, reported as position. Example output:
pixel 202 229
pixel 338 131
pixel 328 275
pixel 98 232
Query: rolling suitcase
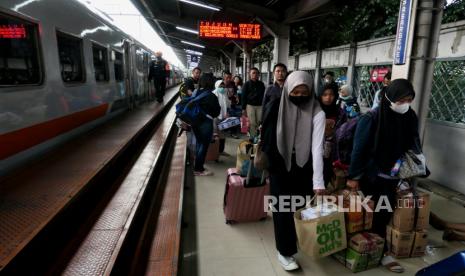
pixel 453 265
pixel 244 125
pixel 244 201
pixel 213 153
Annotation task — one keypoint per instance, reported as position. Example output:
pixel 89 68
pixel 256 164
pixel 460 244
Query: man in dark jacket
pixel 204 130
pixel 274 91
pixel 192 83
pixel 252 97
pixel 159 72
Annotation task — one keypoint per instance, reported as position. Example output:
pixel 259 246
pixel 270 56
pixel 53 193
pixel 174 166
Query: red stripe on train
pixel 22 139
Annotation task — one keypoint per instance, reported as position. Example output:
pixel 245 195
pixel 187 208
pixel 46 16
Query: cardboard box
pixel 419 244
pixel 406 244
pixel 364 252
pixel 399 243
pixel 403 218
pixel 356 221
pixel 366 242
pixel 356 261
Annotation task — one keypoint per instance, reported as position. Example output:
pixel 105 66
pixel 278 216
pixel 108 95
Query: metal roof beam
pixel 176 21
pixel 302 8
pixel 149 11
pixel 250 9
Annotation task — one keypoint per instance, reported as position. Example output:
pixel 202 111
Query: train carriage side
pixel 61 74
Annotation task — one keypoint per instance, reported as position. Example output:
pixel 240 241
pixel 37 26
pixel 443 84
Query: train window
pixel 119 74
pixel 71 61
pixel 140 59
pixel 19 52
pixel 100 62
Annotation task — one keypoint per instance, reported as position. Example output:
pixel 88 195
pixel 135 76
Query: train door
pixel 138 73
pixel 146 77
pixel 128 77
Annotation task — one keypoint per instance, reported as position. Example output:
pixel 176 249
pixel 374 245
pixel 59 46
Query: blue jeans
pixel 203 134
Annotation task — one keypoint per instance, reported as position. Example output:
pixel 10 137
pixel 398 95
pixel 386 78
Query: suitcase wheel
pixel 228 221
pixel 263 219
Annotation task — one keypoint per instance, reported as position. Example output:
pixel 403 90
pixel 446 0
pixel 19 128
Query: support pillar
pixel 281 45
pixel 281 34
pixel 422 46
pixel 232 60
pixel 232 65
pixel 296 63
pixel 351 68
pixel 316 81
pixel 247 60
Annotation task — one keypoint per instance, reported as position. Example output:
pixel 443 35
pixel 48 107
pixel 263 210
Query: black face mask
pixel 299 100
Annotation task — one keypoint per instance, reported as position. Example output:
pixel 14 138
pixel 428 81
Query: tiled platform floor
pixel 212 247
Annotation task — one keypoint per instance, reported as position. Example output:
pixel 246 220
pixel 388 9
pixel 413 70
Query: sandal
pixel 390 263
pixel 203 173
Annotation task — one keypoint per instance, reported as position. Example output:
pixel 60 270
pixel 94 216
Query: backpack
pixel 345 138
pixel 183 90
pixel 189 110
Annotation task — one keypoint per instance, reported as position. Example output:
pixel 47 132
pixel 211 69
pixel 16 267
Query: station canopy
pixel 178 21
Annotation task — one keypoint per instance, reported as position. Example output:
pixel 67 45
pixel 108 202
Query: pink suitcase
pixel 244 125
pixel 213 152
pixel 241 203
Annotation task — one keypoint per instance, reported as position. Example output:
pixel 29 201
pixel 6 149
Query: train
pixel 64 69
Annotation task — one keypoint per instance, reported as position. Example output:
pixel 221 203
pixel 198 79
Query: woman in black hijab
pixel 384 135
pixel 328 101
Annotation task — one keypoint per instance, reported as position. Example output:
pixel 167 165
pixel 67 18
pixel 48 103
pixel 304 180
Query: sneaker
pixel 235 136
pixel 203 173
pixel 288 263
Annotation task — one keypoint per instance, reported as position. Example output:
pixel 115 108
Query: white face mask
pixel 399 108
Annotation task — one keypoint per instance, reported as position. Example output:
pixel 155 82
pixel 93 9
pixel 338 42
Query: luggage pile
pixel 407 235
pixel 364 249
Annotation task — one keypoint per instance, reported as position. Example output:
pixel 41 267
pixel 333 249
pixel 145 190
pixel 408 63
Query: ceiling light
pixel 187 30
pixel 193 52
pixel 193 44
pixel 198 4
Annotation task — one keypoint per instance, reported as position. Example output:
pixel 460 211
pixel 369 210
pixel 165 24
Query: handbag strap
pixel 413 244
pixel 390 243
pixel 416 211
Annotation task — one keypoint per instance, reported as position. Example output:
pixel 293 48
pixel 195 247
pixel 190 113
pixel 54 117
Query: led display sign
pixel 228 30
pixel 12 31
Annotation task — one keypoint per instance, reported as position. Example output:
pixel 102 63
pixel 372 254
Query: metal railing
pixel 364 88
pixel 447 101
